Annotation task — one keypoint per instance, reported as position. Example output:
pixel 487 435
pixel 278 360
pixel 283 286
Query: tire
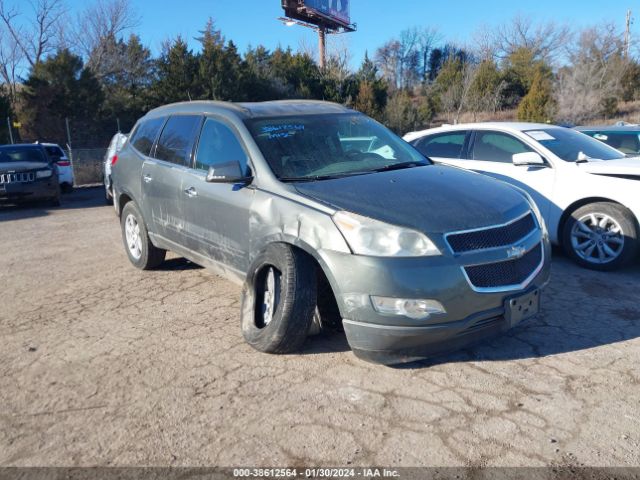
pixel 141 252
pixel 285 327
pixel 591 239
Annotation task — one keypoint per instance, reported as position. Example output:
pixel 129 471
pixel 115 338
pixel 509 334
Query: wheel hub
pixel 132 235
pixel 597 238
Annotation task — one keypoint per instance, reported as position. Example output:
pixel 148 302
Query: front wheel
pixel 279 300
pixel 601 236
pixel 141 252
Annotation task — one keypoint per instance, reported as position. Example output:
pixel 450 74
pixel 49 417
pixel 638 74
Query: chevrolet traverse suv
pixel 326 217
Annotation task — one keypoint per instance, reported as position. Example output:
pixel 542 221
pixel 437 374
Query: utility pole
pixel 627 34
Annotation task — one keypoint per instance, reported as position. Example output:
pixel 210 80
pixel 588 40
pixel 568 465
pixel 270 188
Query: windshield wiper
pixel 400 166
pixel 317 178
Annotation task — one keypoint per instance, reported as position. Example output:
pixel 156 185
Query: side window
pixel 497 147
pixel 146 134
pixel 177 139
pixel 626 142
pixel 445 145
pixel 218 145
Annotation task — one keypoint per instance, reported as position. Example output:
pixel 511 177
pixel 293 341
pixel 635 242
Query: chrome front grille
pixel 508 273
pixel 493 237
pixel 22 177
pixel 521 241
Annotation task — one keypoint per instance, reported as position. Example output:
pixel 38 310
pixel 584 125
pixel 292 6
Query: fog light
pixel 416 309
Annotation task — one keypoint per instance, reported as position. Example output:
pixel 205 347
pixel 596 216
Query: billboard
pixel 336 10
pixel 332 14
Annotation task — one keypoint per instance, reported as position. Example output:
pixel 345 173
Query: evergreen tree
pixel 176 75
pixel 56 89
pixel 538 104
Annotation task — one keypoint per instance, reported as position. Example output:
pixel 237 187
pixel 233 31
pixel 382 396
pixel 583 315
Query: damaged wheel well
pixel 327 303
pixel 122 201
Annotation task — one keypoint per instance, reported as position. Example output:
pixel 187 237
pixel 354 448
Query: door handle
pixel 191 192
pixel 147 178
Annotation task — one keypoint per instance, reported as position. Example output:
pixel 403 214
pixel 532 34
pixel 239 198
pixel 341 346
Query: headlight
pixel 44 173
pixel 366 236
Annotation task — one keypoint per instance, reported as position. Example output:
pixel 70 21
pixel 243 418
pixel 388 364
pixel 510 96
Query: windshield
pixel 569 145
pixel 310 147
pixel 17 154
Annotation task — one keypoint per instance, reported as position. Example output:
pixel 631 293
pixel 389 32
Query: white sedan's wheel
pixel 601 236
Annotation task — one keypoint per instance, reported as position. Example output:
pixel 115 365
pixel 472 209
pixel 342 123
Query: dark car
pixel 28 173
pixel 328 218
pixel 625 138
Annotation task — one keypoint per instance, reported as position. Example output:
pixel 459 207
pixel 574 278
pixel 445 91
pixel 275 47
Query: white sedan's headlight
pixel 366 236
pixel 44 173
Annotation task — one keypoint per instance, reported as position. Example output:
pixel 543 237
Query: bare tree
pixel 98 30
pixel 456 98
pixel 37 37
pixel 593 76
pixel 545 40
pixel 11 61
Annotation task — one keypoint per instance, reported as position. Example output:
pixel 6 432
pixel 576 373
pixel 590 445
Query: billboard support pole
pixel 322 43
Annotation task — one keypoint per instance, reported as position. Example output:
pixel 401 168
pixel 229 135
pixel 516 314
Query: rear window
pixel 146 134
pixel 177 139
pixel 54 151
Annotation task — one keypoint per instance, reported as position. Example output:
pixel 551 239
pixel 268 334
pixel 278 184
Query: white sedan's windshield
pixel 573 146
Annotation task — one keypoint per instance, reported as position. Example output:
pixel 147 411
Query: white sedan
pixel 587 192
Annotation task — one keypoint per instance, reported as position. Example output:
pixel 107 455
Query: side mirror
pixel 230 172
pixel 528 159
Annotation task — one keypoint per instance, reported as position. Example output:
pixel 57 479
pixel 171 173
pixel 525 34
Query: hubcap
pixel 132 235
pixel 597 238
pixel 271 295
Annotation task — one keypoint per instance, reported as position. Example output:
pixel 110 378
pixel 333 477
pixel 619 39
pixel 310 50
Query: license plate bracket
pixel 523 307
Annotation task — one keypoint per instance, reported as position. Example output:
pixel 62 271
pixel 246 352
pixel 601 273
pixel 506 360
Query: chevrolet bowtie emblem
pixel 516 252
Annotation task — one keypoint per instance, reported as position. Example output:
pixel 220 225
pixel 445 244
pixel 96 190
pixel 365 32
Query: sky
pixel 253 22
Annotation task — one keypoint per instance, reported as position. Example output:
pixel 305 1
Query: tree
pixel 453 86
pixel 538 104
pixel 176 74
pixel 59 88
pixel 519 70
pixel 403 114
pixel 486 90
pixel 591 84
pixel 40 35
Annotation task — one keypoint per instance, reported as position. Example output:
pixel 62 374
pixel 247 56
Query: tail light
pixel 114 160
pixel 64 163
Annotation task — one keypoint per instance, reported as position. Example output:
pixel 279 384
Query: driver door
pixel 217 214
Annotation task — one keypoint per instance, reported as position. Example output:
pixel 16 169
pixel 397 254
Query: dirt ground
pixel 101 364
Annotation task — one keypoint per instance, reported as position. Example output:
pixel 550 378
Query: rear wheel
pixel 601 236
pixel 141 252
pixel 279 300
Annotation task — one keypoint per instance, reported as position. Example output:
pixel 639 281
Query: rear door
pixel 217 214
pixel 162 177
pixel 444 147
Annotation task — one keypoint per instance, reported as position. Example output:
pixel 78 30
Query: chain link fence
pixel 87 165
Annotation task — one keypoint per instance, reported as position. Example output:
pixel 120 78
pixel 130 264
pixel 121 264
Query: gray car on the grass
pixel 329 220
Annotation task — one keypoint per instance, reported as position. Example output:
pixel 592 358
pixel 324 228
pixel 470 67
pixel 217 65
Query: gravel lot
pixel 101 364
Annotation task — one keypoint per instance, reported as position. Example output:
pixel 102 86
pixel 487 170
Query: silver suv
pixel 328 219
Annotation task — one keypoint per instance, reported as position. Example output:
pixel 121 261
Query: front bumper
pixel 471 315
pixel 37 190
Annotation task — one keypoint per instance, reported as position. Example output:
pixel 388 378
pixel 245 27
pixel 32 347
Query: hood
pixel 432 199
pixel 22 166
pixel 622 166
